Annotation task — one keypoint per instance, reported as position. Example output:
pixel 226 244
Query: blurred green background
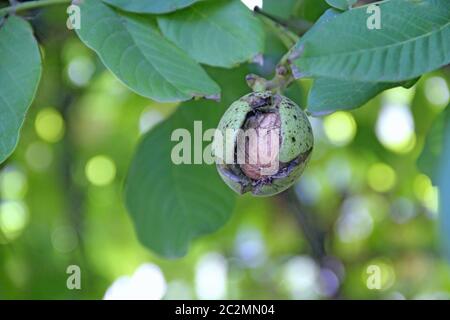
pixel 61 198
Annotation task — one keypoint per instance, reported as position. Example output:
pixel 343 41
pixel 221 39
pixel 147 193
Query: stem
pixel 285 73
pixel 280 32
pixel 295 26
pixel 30 5
pixel 313 235
pixel 270 16
pixel 279 27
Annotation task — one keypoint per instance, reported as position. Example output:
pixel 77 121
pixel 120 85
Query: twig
pixel 285 74
pixel 362 3
pixel 313 235
pixel 279 27
pixel 270 16
pixel 295 26
pixel 30 5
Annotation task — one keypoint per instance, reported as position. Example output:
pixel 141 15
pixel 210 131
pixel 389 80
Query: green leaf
pixel 20 71
pixel 443 182
pixel 324 19
pixel 341 4
pixel 430 157
pixel 132 48
pixel 414 38
pixel 329 95
pixel 173 204
pixel 151 6
pixel 218 33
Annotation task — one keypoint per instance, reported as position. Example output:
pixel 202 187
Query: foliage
pixel 176 58
pixel 19 78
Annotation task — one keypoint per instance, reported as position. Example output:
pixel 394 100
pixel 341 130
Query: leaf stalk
pixel 29 5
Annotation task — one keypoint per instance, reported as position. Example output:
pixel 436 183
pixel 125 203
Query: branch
pixel 295 26
pixel 29 5
pixel 313 235
pixel 279 27
pixel 270 16
pixel 285 72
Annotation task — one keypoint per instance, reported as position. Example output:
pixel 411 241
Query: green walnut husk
pixel 293 150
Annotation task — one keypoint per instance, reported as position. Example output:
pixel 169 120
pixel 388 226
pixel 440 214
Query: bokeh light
pixel 49 125
pixel 395 128
pixel 381 177
pixel 211 277
pixel 339 173
pixel 80 70
pixel 13 184
pixel 355 222
pixel 431 200
pixel 39 156
pixel 250 247
pixel 340 128
pixel 309 188
pixel 402 210
pixel 13 218
pixel 399 95
pixel 437 92
pixel 147 283
pixel 427 194
pixel 64 239
pixel 328 282
pixel 149 118
pixel 300 277
pixel 179 290
pixel 100 170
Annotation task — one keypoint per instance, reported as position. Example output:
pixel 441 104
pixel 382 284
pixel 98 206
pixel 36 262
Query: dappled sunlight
pixel 146 283
pixel 395 128
pixel 211 277
pixel 88 180
pixel 340 128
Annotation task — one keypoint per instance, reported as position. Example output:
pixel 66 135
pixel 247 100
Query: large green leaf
pixel 341 4
pixel 173 204
pixel 414 38
pixel 324 19
pixel 429 160
pixel 218 33
pixel 443 181
pixel 132 48
pixel 151 6
pixel 20 71
pixel 329 95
